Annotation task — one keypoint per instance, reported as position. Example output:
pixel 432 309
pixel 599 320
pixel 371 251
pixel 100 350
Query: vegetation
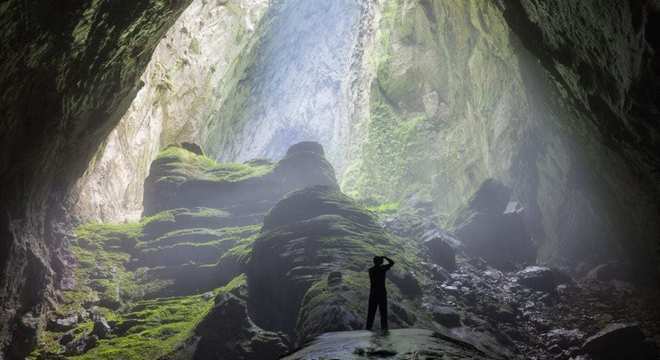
pixel 178 164
pixel 107 281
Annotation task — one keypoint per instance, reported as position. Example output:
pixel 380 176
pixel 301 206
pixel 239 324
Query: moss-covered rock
pixel 180 178
pixel 227 331
pixel 463 91
pixel 309 235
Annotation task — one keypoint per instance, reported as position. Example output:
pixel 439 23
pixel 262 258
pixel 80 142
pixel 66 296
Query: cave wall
pixel 74 68
pixel 533 93
pixel 600 58
pixel 181 88
pixel 554 98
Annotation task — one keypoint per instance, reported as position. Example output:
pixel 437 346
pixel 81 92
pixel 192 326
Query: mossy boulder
pixel 228 332
pixel 311 234
pixel 181 178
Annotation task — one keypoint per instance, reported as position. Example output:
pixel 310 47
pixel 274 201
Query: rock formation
pixel 418 103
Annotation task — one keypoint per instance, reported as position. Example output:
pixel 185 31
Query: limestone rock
pixel 539 278
pixel 101 328
pixel 446 316
pixel 62 324
pixel 81 345
pixel 397 345
pixel 179 178
pixel 180 90
pixel 619 341
pixel 491 230
pixel 308 236
pixel 441 253
pixel 228 332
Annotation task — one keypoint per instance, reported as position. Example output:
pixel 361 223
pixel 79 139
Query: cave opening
pixel 221 173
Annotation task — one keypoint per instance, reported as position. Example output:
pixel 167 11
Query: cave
pixel 211 179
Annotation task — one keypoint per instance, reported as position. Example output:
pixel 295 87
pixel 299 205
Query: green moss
pixel 109 234
pixel 241 251
pixel 175 164
pixel 164 324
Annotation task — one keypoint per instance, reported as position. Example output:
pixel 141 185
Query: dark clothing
pixel 377 302
pixel 378 295
pixel 377 278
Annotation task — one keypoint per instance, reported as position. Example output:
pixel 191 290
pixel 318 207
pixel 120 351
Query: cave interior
pixel 211 179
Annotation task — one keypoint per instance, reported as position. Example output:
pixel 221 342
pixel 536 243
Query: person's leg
pixel 382 306
pixel 371 312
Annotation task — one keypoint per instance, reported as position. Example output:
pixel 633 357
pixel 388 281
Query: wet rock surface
pixel 396 344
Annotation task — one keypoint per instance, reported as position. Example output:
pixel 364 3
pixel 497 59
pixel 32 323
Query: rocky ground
pixel 255 260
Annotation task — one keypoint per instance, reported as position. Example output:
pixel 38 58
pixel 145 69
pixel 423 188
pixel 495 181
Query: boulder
pixel 539 278
pixel 406 282
pixel 81 345
pixel 441 253
pixel 334 278
pixel 446 316
pixel 493 228
pixel 619 341
pixel 101 328
pixel 67 337
pixel 492 197
pixel 307 239
pixel 228 332
pixel 62 324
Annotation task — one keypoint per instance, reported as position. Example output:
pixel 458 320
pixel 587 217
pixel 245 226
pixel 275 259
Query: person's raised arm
pixel 389 264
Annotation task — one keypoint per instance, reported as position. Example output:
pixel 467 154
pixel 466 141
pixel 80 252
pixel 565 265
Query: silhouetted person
pixel 378 293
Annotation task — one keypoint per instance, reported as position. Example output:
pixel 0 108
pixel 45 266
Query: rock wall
pixel 73 71
pixel 518 91
pixel 300 83
pixel 180 89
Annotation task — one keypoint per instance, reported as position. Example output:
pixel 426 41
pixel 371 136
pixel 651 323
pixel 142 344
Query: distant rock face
pixel 493 228
pixel 301 81
pixel 397 345
pixel 180 178
pixel 180 89
pixel 463 91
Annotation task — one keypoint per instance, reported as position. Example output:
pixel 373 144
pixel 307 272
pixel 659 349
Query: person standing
pixel 378 292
